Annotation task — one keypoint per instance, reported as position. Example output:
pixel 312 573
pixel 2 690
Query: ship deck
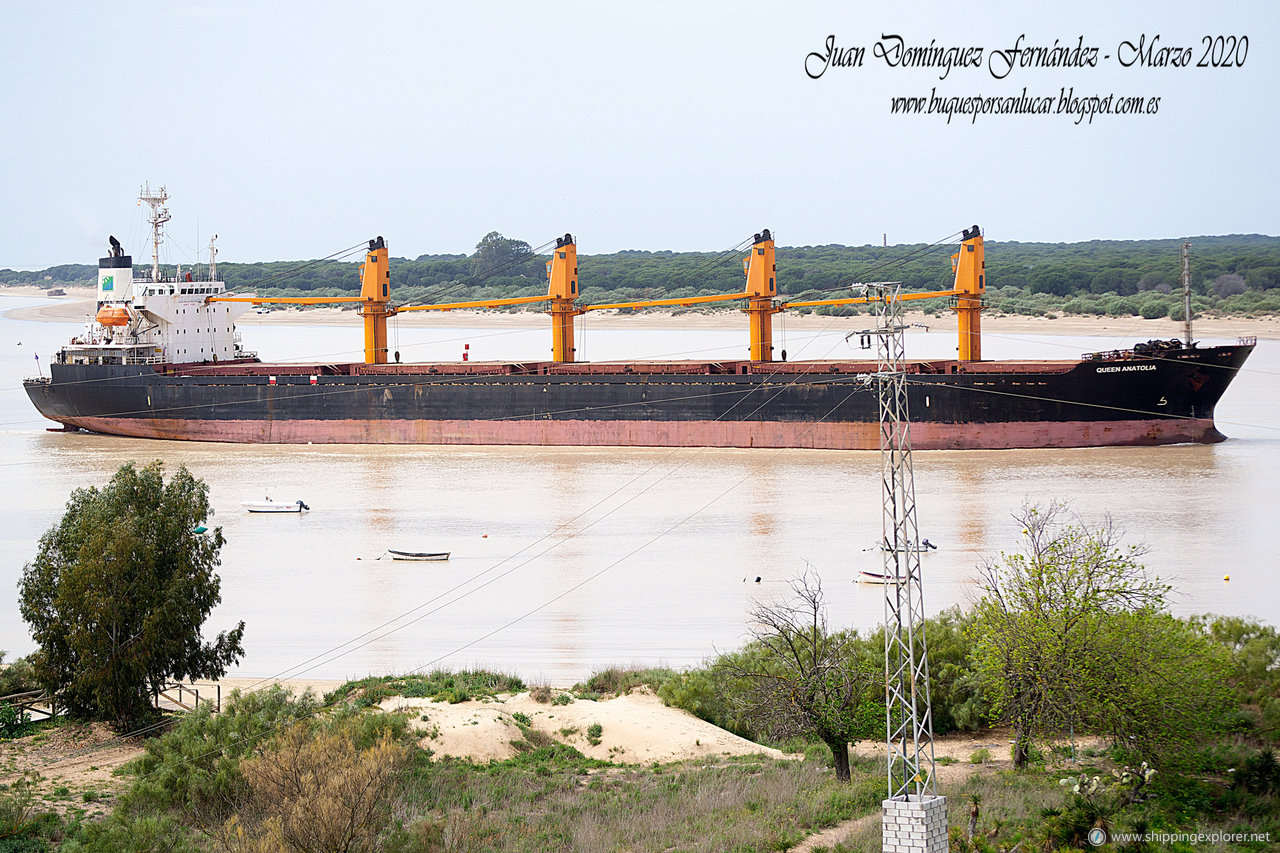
pixel 608 368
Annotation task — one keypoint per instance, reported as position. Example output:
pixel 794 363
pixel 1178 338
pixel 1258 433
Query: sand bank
pixel 78 305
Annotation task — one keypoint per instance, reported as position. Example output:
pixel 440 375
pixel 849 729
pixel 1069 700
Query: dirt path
pixel 957 748
pixel 73 765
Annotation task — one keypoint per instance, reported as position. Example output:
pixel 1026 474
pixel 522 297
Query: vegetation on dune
pixel 1236 274
pixel 274 772
pixel 615 681
pixel 440 685
pixel 718 692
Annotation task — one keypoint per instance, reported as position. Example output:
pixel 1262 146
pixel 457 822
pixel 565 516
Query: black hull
pixel 1124 399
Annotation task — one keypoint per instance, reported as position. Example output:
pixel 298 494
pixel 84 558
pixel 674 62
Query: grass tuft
pixel 440 685
pixel 617 681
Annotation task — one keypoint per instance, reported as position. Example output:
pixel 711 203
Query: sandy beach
pixel 77 306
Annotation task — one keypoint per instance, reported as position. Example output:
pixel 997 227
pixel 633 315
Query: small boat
pixel 435 556
pixel 875 577
pixel 924 547
pixel 269 505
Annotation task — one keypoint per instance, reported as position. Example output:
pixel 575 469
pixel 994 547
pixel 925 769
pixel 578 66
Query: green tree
pixel 118 593
pixel 496 255
pixel 809 681
pixel 1072 636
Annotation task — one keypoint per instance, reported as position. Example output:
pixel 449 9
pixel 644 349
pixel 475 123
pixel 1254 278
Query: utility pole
pixel 1186 290
pixel 914 816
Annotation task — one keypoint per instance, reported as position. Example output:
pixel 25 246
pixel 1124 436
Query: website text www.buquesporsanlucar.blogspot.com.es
pixel 1079 108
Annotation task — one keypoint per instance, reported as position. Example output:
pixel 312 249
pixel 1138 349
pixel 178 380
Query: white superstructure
pixel 154 318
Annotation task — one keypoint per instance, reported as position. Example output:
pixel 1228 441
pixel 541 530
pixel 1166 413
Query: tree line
pixel 1235 274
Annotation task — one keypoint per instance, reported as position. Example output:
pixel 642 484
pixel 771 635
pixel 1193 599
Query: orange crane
pixel 969 266
pixel 760 293
pixel 375 297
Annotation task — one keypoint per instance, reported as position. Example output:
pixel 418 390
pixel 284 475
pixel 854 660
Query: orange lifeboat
pixel 108 316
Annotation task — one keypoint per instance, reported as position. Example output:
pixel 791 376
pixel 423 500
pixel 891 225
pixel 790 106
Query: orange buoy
pixel 108 316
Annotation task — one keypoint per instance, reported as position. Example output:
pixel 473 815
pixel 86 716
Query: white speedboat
pixel 268 505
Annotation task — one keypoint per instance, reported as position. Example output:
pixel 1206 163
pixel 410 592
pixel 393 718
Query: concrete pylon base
pixel 914 824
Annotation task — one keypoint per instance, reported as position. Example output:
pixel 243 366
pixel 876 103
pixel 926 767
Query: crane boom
pixel 968 265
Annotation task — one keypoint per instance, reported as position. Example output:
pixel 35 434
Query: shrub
pixel 618 682
pixel 17 677
pixel 1259 773
pixel 16 807
pixel 1154 309
pixel 439 685
pixel 132 833
pixel 195 767
pixel 959 698
pixel 1255 654
pixel 322 792
pixel 13 720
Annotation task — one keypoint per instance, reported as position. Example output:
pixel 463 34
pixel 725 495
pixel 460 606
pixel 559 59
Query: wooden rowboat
pixel 418 555
pixel 875 577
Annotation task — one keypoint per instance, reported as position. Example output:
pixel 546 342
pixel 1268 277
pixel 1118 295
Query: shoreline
pixel 77 306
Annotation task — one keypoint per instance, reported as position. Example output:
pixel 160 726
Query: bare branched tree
pixel 806 680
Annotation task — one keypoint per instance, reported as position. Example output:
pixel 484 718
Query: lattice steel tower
pixel 909 712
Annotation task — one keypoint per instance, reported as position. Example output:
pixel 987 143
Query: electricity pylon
pixel 908 709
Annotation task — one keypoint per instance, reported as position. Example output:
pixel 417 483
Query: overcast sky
pixel 294 130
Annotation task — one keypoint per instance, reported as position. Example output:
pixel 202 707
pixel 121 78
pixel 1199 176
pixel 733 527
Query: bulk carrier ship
pixel 162 359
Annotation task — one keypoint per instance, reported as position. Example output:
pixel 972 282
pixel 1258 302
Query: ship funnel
pixel 115 275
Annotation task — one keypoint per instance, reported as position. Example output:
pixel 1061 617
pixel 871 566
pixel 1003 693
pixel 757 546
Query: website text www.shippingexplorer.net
pixel 1079 108
pixel 1098 837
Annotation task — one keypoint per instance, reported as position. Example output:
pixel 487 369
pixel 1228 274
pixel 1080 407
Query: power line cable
pixel 475 577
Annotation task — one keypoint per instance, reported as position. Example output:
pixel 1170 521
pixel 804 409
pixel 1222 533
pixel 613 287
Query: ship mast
pixel 213 258
pixel 159 216
pixel 1186 289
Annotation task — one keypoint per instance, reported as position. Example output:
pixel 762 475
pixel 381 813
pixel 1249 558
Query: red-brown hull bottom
pixel 820 436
